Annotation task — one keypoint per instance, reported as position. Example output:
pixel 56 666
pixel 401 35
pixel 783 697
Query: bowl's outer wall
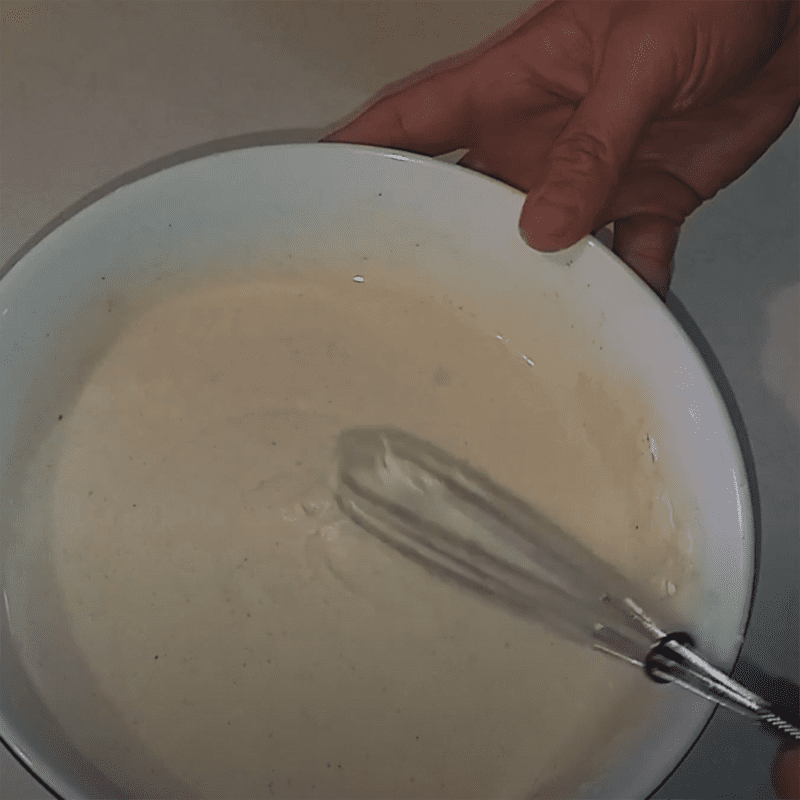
pixel 233 210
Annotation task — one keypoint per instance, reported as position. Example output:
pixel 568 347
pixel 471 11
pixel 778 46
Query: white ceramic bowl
pixel 237 207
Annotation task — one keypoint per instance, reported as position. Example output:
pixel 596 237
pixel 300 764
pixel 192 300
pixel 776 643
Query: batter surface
pixel 255 643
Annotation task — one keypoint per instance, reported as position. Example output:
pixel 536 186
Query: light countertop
pixel 90 90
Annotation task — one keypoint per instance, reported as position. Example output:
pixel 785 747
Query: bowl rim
pixel 680 318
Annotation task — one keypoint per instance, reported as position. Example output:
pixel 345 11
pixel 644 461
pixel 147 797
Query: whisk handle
pixel 673 660
pixel 778 721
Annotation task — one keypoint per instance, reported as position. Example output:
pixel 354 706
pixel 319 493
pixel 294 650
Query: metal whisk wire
pixel 462 527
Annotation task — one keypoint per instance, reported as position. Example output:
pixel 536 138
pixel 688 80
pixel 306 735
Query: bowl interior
pixel 250 210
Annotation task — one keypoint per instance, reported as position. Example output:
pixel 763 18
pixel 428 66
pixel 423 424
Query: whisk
pixel 464 528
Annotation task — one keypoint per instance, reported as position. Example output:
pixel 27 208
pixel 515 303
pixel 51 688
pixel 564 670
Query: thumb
pixel 584 164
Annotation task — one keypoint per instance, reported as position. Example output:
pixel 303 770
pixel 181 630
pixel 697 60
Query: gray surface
pixel 84 98
pixel 736 265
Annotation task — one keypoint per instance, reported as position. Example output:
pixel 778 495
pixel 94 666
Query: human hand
pixel 625 112
pixel 786 773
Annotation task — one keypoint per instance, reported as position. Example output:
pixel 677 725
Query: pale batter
pixel 256 644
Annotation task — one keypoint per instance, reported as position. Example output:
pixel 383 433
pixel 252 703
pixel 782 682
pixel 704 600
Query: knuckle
pixel 488 70
pixel 647 254
pixel 652 242
pixel 402 118
pixel 406 117
pixel 417 109
pixel 585 154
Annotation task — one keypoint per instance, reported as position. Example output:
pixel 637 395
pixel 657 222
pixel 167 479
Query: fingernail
pixel 547 226
pixel 554 221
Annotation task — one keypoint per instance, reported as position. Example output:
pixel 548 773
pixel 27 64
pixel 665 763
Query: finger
pixel 430 117
pixel 786 773
pixel 646 243
pixel 648 189
pixel 585 162
pixel 513 148
pixel 429 111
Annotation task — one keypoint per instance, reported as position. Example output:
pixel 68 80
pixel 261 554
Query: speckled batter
pixel 255 643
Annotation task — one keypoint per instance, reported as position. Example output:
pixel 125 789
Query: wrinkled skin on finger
pixel 625 112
